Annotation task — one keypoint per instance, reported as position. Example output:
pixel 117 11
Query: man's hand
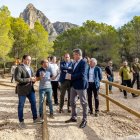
pixel 33 79
pixel 68 76
pixel 53 78
pixel 42 75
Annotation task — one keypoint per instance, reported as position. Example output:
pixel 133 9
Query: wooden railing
pixel 128 89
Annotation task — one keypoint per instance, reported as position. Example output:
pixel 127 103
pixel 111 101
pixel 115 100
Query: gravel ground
pixel 114 125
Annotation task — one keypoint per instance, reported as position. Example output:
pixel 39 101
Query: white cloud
pixel 112 12
pixel 120 14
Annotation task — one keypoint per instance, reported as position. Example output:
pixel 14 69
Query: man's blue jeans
pixel 32 100
pixel 111 79
pixel 45 92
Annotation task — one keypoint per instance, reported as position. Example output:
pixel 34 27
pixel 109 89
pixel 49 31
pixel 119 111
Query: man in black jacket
pixel 65 67
pixel 24 77
pixel 109 74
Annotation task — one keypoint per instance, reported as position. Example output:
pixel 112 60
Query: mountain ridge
pixel 30 15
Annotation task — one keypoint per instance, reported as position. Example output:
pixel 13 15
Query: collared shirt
pixel 55 70
pixel 91 74
pixel 67 64
pixel 28 69
pixel 45 82
pixel 76 63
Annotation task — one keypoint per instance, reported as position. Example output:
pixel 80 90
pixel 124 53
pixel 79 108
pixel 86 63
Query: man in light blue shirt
pixel 44 75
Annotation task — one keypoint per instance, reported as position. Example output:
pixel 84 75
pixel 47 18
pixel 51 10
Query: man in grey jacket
pixel 25 80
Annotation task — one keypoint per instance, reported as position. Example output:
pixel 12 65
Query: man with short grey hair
pixel 79 87
pixel 94 78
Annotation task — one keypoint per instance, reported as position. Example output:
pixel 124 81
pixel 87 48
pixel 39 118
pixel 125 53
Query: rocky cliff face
pixel 31 15
pixel 60 27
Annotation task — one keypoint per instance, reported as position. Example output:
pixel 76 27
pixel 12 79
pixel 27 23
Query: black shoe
pixel 121 90
pixel 96 114
pixel 135 95
pixel 47 104
pixel 56 104
pixel 41 116
pixel 90 112
pixel 83 124
pixel 69 111
pixel 71 120
pixel 125 97
pixel 60 111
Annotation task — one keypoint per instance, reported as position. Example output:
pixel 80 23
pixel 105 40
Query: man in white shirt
pixel 55 71
pixel 94 78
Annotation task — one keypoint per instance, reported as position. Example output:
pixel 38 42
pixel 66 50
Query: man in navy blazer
pixel 79 86
pixel 94 78
pixel 65 67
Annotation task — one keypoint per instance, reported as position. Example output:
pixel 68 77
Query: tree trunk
pixel 4 68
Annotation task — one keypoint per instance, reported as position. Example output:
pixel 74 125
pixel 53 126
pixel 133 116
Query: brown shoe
pixel 110 92
pixel 51 116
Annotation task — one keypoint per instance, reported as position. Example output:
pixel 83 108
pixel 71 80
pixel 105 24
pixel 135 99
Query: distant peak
pixel 30 6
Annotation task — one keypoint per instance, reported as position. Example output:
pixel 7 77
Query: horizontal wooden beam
pixel 2 84
pixel 128 89
pixel 121 105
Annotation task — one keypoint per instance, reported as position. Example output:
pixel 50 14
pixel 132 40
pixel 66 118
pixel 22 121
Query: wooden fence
pixel 128 89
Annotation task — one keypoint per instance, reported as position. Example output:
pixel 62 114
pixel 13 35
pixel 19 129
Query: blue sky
pixel 112 12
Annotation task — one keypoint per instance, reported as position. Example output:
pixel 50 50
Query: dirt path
pixel 115 125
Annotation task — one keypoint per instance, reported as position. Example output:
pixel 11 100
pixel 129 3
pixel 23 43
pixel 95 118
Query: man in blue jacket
pixel 79 87
pixel 65 67
pixel 94 78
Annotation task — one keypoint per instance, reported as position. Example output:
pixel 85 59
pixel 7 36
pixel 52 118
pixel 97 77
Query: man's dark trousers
pixel 65 86
pixel 93 90
pixel 136 77
pixel 54 88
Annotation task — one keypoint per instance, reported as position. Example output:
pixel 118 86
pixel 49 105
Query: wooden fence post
pixel 107 93
pixel 45 134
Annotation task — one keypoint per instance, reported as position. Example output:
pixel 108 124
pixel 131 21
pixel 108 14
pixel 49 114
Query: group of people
pixel 80 78
pixel 125 73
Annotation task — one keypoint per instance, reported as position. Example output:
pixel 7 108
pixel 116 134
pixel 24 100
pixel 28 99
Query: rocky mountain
pixel 60 27
pixel 31 15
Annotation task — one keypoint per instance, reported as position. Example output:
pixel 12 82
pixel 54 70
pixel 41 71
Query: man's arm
pixel 100 74
pixel 18 77
pixel 120 72
pixel 62 67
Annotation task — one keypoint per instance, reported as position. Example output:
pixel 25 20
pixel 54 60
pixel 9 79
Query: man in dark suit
pixel 79 87
pixel 65 67
pixel 24 77
pixel 94 78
